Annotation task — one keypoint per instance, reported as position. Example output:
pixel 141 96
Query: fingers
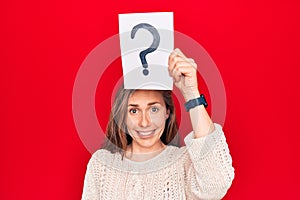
pixel 178 51
pixel 181 69
pixel 180 65
pixel 174 58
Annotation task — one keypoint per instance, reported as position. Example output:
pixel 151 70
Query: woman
pixel 141 160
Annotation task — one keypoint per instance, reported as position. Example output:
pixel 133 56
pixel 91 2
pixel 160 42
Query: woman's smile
pixel 146 134
pixel 146 118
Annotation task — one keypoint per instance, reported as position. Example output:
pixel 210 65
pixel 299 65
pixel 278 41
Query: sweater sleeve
pixel 90 188
pixel 209 172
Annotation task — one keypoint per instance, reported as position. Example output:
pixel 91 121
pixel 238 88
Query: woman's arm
pixel 184 72
pixel 209 164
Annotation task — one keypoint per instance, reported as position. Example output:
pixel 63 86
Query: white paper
pixel 156 76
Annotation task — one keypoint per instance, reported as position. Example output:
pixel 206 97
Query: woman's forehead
pixel 146 96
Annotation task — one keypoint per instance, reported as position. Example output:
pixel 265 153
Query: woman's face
pixel 146 116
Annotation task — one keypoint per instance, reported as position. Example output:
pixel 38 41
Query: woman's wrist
pixel 191 95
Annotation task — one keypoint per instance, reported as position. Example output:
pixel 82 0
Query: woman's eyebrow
pixel 134 105
pixel 152 103
pixel 149 104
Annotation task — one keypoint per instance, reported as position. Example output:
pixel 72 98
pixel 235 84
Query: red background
pixel 255 45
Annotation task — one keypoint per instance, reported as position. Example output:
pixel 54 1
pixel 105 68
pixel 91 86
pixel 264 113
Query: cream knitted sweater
pixel 200 170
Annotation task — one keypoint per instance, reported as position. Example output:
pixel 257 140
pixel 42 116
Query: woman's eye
pixel 154 109
pixel 133 111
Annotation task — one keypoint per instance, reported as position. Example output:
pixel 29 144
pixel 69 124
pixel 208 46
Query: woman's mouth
pixel 145 134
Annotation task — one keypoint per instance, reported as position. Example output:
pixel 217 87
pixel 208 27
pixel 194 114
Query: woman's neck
pixel 137 154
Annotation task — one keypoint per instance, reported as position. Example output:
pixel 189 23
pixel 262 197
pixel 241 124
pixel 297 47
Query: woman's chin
pixel 149 143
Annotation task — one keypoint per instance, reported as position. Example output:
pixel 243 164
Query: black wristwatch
pixel 195 102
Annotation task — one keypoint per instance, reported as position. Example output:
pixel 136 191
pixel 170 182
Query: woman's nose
pixel 145 120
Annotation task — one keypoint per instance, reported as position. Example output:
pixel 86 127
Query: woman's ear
pixel 167 114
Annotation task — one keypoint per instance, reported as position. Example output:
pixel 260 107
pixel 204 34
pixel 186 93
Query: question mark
pixel 153 47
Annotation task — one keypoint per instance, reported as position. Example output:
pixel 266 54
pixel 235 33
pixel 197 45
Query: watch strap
pixel 195 102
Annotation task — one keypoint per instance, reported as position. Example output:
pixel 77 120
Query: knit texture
pixel 200 170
